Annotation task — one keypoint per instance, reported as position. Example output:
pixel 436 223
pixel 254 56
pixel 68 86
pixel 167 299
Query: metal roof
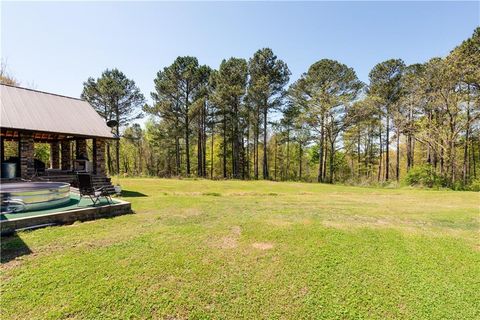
pixel 27 109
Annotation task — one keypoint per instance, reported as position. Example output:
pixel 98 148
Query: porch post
pixel 26 152
pixel 2 149
pixel 99 156
pixel 66 155
pixel 54 155
pixel 80 147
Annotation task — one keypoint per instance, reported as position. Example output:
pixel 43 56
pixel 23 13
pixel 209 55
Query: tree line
pixel 247 120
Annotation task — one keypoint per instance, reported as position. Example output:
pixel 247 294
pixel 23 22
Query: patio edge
pixel 8 227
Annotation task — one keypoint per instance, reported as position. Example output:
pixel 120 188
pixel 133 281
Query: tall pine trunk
pixel 242 156
pixel 236 144
pixel 320 151
pixel 325 157
pixel 467 138
pixel 224 145
pixel 247 153
pixel 332 159
pixel 410 146
pixel 204 135
pixel 275 161
pixel 187 130
pixel 397 166
pixel 387 148
pixel 265 153
pixel 474 161
pixel 199 151
pixel 287 175
pixel 187 143
pixel 380 158
pixel 300 156
pixel 409 152
pixel 211 149
pixel 359 156
pixel 257 137
pixel 177 156
pixel 233 151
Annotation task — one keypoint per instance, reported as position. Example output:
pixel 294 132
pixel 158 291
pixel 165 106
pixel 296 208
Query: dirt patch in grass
pixel 279 222
pixel 189 212
pixel 171 317
pixel 349 222
pixel 411 226
pixel 11 264
pixel 187 193
pixel 252 194
pixel 237 230
pixel 229 241
pixel 183 213
pixel 262 245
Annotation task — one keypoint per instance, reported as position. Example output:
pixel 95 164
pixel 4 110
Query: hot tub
pixel 30 196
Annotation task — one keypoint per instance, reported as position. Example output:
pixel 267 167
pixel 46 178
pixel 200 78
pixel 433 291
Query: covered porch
pixel 74 133
pixel 68 155
pixel 35 182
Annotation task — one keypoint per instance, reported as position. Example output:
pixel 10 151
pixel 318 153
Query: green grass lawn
pixel 231 249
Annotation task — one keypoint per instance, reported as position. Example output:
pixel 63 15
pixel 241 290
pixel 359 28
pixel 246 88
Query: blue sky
pixel 56 46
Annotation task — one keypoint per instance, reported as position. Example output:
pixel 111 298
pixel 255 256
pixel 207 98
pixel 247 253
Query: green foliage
pixel 230 89
pixel 385 80
pixel 178 100
pixel 313 154
pixel 11 149
pixel 325 94
pixel 268 77
pixel 424 176
pixel 328 121
pixel 42 153
pixel 114 96
pixel 475 185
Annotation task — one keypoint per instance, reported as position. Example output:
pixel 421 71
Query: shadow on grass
pixel 12 247
pixel 132 194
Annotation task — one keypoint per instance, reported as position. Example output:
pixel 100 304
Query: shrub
pixel 474 185
pixel 424 176
pixel 213 194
